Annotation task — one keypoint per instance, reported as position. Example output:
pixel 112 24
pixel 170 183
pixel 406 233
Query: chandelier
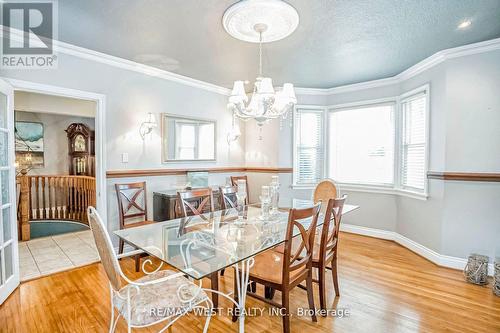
pixel 261 21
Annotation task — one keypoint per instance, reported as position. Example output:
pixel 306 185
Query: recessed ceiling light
pixel 465 24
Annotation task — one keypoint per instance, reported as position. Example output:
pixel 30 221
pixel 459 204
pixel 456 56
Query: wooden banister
pixel 53 197
pixel 24 204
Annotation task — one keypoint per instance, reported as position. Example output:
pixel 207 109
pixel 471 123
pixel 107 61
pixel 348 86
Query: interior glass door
pixel 9 263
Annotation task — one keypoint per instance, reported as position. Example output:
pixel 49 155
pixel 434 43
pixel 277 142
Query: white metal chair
pixel 162 295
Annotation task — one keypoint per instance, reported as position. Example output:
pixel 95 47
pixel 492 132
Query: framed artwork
pixel 29 144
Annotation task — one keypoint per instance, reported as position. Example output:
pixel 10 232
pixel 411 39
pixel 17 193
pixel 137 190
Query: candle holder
pixel 476 270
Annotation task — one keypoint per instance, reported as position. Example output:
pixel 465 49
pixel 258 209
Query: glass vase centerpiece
pixel 241 197
pixel 265 203
pixel 274 190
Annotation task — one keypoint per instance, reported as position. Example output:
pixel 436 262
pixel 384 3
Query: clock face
pixel 79 143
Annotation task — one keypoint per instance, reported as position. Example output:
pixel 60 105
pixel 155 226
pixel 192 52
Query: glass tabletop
pixel 203 244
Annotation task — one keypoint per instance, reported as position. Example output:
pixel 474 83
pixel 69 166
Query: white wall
pixel 33 102
pixel 55 139
pixel 471 221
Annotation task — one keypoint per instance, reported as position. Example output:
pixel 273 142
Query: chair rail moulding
pixel 464 176
pixel 170 172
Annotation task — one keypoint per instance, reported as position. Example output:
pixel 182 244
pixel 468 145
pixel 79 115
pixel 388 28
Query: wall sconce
pixel 148 125
pixel 234 132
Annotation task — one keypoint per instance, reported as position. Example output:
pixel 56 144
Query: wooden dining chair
pixel 197 202
pixel 132 210
pixel 194 202
pixel 285 271
pixel 228 197
pixel 326 247
pixel 234 183
pixel 324 191
pixel 326 243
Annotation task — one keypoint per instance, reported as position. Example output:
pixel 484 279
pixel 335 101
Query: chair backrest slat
pixel 105 248
pixel 330 233
pixel 294 259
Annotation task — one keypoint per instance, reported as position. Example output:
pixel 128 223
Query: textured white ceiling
pixel 337 42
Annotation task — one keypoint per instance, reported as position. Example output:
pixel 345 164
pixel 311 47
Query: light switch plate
pixel 124 157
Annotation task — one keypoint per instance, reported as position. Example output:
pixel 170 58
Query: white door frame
pixel 13 281
pixel 100 128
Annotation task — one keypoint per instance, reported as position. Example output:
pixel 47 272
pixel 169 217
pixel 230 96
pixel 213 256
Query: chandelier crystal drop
pixel 265 102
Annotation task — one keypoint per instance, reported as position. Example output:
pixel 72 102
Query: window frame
pixel 402 98
pixel 314 108
pixel 396 187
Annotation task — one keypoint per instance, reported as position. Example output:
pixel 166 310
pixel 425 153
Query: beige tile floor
pixel 47 255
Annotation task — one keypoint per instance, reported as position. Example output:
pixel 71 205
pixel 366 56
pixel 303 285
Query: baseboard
pixel 459 263
pixel 365 231
pixel 431 255
pixel 421 250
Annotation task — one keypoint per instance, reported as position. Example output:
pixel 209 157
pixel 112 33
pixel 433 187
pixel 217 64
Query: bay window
pixel 380 145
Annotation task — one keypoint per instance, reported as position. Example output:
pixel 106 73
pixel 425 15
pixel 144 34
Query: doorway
pixel 7 285
pixel 55 172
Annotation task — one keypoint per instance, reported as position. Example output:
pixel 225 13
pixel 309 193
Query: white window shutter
pixel 309 148
pixel 413 145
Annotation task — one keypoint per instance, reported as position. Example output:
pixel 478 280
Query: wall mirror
pixel 187 139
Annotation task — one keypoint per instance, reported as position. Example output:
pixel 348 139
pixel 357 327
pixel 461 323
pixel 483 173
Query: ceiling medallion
pixel 280 18
pixel 261 21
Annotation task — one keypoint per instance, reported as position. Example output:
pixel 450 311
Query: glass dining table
pixel 204 244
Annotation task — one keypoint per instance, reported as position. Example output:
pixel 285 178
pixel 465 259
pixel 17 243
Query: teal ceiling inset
pixel 337 42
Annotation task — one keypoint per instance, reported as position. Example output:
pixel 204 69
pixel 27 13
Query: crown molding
pixel 87 54
pixel 107 59
pixel 347 88
pixel 434 60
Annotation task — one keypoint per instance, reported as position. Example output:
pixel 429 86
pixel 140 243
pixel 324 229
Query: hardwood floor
pixel 385 288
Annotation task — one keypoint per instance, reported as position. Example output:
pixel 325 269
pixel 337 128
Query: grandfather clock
pixel 81 150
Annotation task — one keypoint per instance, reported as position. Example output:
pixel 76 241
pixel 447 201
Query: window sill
pixel 369 189
pixel 303 186
pixel 413 195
